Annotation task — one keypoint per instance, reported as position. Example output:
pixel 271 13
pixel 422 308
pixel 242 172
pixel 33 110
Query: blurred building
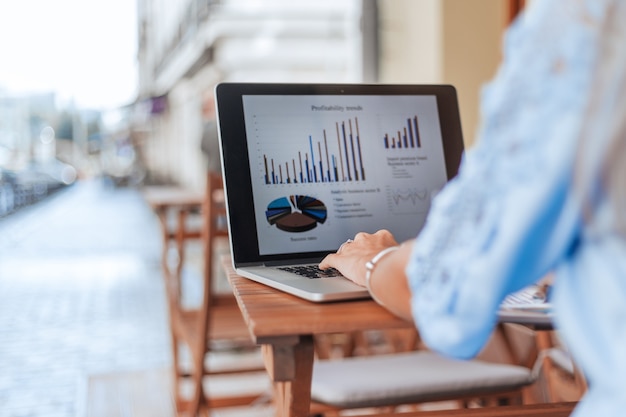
pixel 30 167
pixel 186 47
pixel 22 117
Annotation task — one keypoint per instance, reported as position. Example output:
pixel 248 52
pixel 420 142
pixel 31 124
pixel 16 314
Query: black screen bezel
pixel 236 166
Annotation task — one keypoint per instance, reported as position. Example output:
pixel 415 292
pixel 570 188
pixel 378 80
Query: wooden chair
pixel 564 380
pixel 166 201
pixel 216 324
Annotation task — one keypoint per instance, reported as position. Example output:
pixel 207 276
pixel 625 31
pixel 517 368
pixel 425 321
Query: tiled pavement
pixel 80 294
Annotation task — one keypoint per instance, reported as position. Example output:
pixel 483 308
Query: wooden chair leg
pixel 198 393
pixel 580 380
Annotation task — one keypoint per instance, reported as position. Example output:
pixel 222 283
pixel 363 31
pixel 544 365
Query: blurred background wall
pixel 186 47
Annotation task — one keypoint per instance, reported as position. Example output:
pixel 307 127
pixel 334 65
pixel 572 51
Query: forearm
pixel 388 282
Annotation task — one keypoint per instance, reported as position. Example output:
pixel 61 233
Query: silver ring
pixel 344 243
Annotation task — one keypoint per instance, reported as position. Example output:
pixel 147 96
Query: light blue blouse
pixel 513 213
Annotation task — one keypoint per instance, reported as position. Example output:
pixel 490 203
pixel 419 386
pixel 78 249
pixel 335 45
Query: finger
pixel 327 262
pixel 383 233
pixel 361 236
pixel 344 244
pixel 386 236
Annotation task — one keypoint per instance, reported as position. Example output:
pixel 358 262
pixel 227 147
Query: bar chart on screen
pixel 329 156
pixel 407 136
pixel 352 143
pixel 335 154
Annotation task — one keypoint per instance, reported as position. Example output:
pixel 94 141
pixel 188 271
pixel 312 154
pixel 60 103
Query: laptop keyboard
pixel 529 298
pixel 311 271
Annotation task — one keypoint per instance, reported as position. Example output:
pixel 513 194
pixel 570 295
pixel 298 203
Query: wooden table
pixel 284 326
pixel 162 198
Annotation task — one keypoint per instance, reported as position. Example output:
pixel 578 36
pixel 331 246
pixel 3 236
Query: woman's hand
pixel 351 257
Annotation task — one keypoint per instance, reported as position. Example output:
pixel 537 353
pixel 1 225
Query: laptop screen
pixel 323 166
pixel 327 167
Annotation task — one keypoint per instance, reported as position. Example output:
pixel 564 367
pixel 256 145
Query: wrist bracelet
pixel 371 264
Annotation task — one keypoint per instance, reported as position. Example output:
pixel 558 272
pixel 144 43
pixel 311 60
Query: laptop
pixel 531 305
pixel 307 166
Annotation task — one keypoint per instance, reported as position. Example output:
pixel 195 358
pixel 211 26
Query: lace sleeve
pixel 509 215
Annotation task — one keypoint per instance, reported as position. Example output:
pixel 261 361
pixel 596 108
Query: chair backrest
pixel 213 227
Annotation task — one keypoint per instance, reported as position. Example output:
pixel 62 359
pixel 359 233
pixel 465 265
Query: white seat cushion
pixel 404 378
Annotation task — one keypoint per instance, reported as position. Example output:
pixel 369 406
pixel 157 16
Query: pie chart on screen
pixel 296 213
